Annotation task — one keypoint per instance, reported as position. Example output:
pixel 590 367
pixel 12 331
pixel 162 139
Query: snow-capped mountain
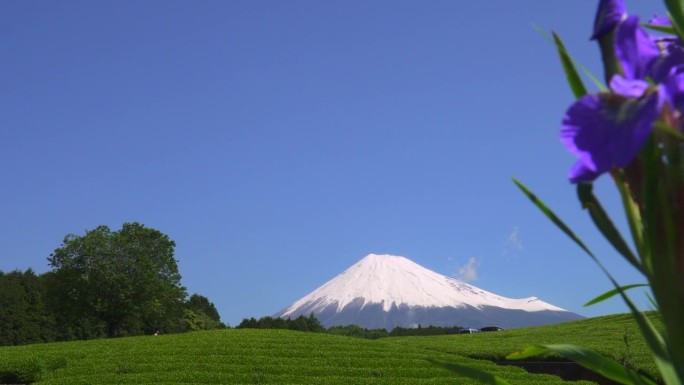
pixel 386 291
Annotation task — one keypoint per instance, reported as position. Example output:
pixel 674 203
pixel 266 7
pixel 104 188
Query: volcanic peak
pixel 391 281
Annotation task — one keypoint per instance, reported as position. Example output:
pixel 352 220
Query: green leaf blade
pixel 611 293
pixel 588 73
pixel 605 224
pixel 661 28
pixel 676 10
pixel 554 218
pixel 573 77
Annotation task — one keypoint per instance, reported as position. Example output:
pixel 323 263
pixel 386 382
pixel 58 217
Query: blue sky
pixel 277 143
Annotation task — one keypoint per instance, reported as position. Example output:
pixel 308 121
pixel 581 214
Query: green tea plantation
pixel 248 356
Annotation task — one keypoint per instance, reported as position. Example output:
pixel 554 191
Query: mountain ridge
pixel 389 291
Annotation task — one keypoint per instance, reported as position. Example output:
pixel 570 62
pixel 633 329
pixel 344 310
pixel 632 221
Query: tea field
pixel 615 336
pixel 249 356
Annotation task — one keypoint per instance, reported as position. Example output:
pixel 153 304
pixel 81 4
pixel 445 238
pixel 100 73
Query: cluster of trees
pixel 301 323
pixel 311 324
pixel 358 332
pixel 102 284
pixel 428 331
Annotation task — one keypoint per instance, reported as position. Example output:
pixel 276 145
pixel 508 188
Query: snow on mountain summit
pixel 393 281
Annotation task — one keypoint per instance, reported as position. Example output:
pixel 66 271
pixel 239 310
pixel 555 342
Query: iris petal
pixel 607 130
pixel 673 56
pixel 581 173
pixel 635 50
pixel 625 87
pixel 674 88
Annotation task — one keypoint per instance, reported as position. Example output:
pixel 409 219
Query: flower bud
pixel 609 14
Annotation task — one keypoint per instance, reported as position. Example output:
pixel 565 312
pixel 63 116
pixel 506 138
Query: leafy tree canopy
pixel 200 303
pixel 127 280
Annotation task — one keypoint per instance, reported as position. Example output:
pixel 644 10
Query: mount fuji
pixel 386 291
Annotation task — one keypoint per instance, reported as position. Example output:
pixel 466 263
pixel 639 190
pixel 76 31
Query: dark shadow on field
pixel 567 370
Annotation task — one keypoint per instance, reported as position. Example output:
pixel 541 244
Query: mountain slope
pixel 385 291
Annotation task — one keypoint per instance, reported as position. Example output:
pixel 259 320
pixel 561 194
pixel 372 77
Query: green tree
pixel 127 280
pixel 358 331
pixel 299 323
pixel 314 325
pixel 193 321
pixel 201 314
pixel 248 323
pixel 71 320
pixel 201 303
pixel 23 315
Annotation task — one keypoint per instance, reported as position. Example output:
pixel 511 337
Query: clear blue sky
pixel 279 142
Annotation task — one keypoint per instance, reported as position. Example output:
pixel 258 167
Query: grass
pixel 615 336
pixel 285 357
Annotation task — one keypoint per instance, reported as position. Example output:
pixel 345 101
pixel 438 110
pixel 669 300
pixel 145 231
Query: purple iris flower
pixel 609 14
pixel 642 56
pixel 635 50
pixel 608 130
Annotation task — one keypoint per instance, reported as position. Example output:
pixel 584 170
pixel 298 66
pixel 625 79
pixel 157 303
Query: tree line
pixel 311 324
pixel 102 284
pixel 301 323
